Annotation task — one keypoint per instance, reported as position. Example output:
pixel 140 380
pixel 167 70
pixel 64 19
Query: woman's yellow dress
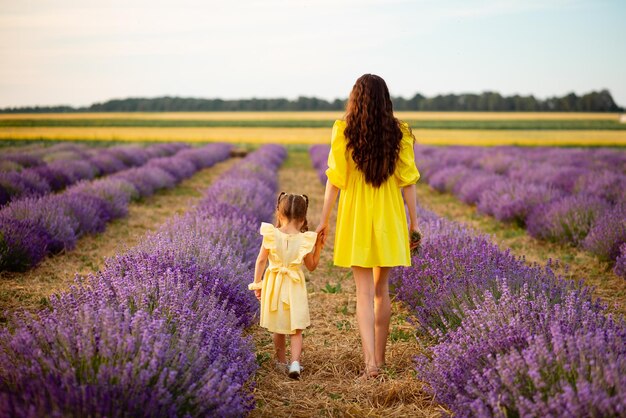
pixel 371 226
pixel 284 300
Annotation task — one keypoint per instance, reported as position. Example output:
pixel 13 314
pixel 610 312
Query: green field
pixel 433 128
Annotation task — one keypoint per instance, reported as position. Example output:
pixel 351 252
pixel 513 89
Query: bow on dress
pixel 279 289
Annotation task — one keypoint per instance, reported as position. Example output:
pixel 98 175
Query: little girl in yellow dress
pixel 282 291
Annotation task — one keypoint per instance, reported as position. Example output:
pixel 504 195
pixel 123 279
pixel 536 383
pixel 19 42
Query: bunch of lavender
pixel 620 262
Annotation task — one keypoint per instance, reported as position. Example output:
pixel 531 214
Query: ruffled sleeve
pixel 269 236
pixel 255 286
pixel 308 243
pixel 337 163
pixel 406 171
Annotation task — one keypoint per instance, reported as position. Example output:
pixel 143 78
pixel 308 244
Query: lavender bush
pixel 608 233
pixel 567 220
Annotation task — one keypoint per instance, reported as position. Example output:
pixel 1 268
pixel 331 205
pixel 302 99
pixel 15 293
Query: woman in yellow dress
pixel 372 162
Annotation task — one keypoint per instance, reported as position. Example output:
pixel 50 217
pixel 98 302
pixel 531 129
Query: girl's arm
pixel 312 259
pixel 330 197
pixel 259 268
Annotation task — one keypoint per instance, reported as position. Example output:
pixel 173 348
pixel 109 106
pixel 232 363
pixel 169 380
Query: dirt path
pixel 332 353
pixel 582 265
pixel 31 289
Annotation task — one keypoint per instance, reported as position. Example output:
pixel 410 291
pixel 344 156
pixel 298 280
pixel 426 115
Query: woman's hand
pixel 257 293
pixel 322 232
pixel 415 236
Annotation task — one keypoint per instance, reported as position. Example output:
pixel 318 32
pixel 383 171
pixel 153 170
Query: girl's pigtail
pixel 280 196
pixel 305 225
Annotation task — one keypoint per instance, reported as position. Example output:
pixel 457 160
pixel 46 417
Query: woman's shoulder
pixel 340 123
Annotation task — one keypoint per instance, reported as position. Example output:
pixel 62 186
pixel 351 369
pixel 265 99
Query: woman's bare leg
pixel 296 345
pixel 365 313
pixel 279 346
pixel 382 312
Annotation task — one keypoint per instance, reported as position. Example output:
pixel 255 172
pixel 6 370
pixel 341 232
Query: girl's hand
pixel 257 293
pixel 320 241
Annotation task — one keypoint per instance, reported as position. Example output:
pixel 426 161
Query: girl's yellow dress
pixel 371 227
pixel 284 301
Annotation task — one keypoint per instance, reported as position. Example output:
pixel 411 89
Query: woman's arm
pixel 330 197
pixel 410 197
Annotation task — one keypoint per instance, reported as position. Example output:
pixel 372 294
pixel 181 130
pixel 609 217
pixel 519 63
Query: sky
pixel 80 52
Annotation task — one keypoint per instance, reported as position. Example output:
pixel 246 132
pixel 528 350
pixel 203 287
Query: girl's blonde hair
pixel 292 207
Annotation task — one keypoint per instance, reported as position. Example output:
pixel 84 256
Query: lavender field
pixel 507 338
pixel 159 331
pixel 167 327
pixel 572 196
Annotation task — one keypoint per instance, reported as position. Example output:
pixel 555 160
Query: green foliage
pixel 332 289
pixel 595 101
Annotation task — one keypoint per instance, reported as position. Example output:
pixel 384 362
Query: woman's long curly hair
pixel 373 134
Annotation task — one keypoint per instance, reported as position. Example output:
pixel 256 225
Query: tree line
pixel 595 101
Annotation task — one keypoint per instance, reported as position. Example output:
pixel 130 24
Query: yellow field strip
pixel 230 116
pixel 319 135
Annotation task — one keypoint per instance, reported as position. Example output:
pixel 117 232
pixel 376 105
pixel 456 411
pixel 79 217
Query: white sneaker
pixel 294 370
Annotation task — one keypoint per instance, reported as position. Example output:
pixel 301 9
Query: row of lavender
pixel 32 228
pixel 571 196
pixel 159 331
pixel 71 165
pixel 506 338
pixel 36 155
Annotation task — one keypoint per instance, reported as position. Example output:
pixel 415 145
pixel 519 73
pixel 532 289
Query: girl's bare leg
pixel 279 346
pixel 365 314
pixel 296 345
pixel 382 312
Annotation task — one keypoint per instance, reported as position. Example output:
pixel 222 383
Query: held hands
pixel 322 234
